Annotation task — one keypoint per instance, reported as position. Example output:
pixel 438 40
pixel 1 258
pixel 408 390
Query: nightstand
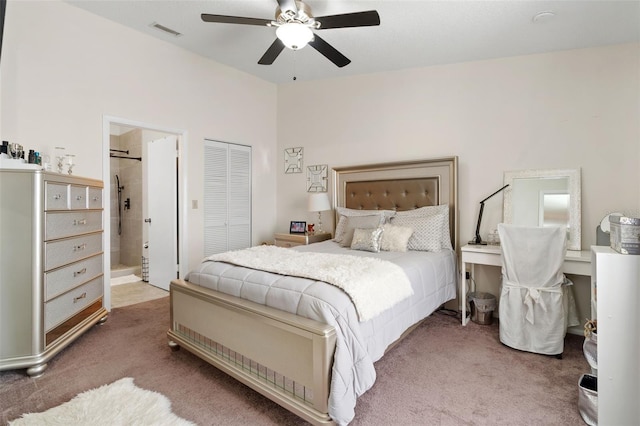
pixel 292 240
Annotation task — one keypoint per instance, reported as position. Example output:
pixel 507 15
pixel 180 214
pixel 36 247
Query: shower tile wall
pixel 130 172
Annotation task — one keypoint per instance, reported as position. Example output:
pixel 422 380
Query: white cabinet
pixel 616 291
pixel 227 197
pixel 51 260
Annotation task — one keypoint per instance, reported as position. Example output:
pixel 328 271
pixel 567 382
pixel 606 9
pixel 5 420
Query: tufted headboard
pixel 400 186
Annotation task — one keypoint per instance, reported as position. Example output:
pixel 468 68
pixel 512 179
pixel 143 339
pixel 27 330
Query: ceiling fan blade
pixel 288 5
pixel 223 19
pixel 357 19
pixel 272 52
pixel 329 51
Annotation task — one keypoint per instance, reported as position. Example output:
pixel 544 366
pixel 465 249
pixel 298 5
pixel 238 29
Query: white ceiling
pixel 412 33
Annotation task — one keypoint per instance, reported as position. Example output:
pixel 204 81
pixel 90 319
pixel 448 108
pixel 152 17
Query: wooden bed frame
pixel 285 357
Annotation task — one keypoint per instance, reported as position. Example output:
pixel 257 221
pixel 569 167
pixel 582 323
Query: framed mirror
pixel 317 178
pixel 293 160
pixel 545 197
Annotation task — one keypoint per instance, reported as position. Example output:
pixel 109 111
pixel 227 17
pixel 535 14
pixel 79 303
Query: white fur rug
pixel 119 404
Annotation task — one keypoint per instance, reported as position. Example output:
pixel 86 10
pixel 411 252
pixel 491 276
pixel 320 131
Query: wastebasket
pixel 588 399
pixel 481 306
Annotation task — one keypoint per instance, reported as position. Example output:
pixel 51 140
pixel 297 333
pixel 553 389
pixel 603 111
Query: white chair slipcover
pixel 536 299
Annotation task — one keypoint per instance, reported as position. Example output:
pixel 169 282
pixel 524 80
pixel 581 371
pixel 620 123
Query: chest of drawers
pixel 51 264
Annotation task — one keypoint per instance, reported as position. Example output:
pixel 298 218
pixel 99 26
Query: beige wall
pixel 568 109
pixel 63 69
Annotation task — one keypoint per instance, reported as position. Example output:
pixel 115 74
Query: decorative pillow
pixel 441 210
pixel 367 239
pixel 395 238
pixel 344 212
pixel 353 222
pixel 427 232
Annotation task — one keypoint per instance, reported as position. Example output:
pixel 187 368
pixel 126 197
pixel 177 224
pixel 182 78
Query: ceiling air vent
pixel 165 29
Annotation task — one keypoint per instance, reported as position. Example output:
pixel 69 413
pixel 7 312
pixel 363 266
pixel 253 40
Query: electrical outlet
pixel 467 275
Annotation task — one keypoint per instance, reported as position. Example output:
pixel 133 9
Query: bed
pixel 311 355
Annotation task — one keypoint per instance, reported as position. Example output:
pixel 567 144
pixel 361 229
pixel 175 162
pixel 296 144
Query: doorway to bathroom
pixel 142 178
pixel 126 202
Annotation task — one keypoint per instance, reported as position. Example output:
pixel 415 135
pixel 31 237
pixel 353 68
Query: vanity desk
pixel 536 197
pixel 575 262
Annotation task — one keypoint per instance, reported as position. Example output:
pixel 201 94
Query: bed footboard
pixel 285 357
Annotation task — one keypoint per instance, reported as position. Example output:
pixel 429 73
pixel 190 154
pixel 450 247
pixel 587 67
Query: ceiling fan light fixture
pixel 294 35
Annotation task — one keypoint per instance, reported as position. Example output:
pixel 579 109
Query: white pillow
pixel 395 238
pixel 427 211
pixel 351 223
pixel 427 232
pixel 344 212
pixel 366 239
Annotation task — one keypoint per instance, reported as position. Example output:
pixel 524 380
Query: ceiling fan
pixel 294 24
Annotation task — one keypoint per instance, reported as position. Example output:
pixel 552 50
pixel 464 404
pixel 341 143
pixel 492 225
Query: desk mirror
pixel 548 197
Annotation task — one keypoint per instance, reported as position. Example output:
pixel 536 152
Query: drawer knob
pixel 80 272
pixel 80 222
pixel 57 196
pixel 78 197
pixel 82 296
pixel 96 198
pixel 80 247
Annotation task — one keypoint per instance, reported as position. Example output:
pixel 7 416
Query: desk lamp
pixel 477 240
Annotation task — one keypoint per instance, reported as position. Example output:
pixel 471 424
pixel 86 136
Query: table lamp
pixel 319 202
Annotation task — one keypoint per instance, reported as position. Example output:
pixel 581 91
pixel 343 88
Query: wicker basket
pixel 590 349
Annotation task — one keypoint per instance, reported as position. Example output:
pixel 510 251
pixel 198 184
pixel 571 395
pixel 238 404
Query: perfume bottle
pixel 493 238
pixel 60 157
pixel 70 163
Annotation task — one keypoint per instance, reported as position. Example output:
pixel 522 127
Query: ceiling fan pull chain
pixel 294 66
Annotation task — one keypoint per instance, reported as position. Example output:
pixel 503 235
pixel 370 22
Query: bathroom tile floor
pixel 132 293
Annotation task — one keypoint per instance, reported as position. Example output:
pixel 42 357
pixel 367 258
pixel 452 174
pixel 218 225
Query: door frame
pixel 181 134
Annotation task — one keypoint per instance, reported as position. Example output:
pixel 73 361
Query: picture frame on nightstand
pixel 297 227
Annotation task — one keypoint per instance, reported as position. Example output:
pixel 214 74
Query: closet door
pixel 239 197
pixel 227 197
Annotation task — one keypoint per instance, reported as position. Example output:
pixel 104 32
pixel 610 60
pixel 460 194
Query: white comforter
pixel 374 285
pixel 358 344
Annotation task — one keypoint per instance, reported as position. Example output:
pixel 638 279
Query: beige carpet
pixel 441 374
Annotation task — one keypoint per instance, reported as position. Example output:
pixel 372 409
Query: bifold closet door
pixel 227 197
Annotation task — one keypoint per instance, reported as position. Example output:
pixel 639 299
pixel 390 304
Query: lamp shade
pixel 318 202
pixel 294 35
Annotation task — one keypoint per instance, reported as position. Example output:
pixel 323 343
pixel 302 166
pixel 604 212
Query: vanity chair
pixel 536 300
